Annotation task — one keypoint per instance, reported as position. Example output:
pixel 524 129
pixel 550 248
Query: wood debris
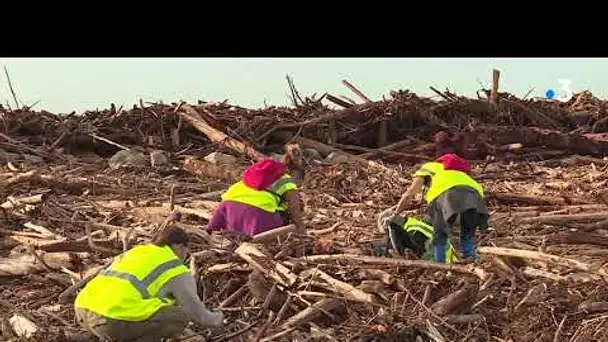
pixel 540 276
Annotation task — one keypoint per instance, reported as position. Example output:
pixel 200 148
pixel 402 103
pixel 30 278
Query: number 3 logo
pixel 566 88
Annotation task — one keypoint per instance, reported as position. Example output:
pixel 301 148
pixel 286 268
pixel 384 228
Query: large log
pixel 552 219
pixel 457 302
pixel 579 238
pixel 345 289
pixel 587 144
pixel 548 258
pixel 312 312
pixel 204 169
pixel 593 307
pixel 273 234
pixel 27 264
pixel 258 260
pixel 192 117
pixel 535 200
pixel 13 202
pixel 370 260
pixel 74 246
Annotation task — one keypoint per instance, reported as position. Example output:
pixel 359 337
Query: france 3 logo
pixel 566 94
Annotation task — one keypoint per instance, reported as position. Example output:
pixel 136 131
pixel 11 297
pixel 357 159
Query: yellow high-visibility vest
pixel 269 200
pixel 443 180
pixel 413 225
pixel 128 289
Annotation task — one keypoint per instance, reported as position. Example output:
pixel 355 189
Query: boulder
pixel 337 158
pixel 159 158
pixel 128 158
pixel 218 158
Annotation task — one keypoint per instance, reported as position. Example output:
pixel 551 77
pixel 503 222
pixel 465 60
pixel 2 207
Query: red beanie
pixel 263 173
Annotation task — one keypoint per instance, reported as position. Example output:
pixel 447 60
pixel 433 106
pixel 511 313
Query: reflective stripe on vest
pixel 142 285
pixel 129 289
pixel 269 200
pixel 413 225
pixel 443 180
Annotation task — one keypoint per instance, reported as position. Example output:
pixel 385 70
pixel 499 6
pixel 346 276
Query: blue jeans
pixel 468 226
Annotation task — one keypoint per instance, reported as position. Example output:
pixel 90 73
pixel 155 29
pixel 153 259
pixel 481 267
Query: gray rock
pixel 337 158
pixel 159 158
pixel 33 159
pixel 11 157
pixel 312 154
pixel 220 158
pixel 128 158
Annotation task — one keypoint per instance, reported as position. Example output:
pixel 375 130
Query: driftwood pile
pixel 541 274
pixel 393 128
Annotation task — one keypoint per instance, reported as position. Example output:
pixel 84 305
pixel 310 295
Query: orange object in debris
pixel 379 328
pixel 323 246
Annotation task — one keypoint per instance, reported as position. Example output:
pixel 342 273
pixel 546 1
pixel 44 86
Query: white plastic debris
pixel 22 326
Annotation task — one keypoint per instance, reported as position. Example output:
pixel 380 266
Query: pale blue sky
pixel 66 84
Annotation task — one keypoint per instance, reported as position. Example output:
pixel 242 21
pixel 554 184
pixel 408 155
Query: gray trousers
pixel 166 323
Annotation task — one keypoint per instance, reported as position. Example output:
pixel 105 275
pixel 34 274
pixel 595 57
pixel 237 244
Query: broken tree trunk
pixel 579 238
pixel 369 260
pixel 345 289
pixel 535 273
pixel 549 139
pixel 594 307
pixel 27 264
pixel 338 101
pixel 548 258
pixel 312 312
pixel 457 302
pixel 356 91
pixel 494 93
pixel 74 246
pixel 14 202
pixel 549 219
pixel 258 260
pixel 535 200
pixel 217 136
pixel 273 234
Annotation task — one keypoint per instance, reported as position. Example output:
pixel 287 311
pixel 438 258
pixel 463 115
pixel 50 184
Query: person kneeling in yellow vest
pixel 414 235
pixel 146 294
pixel 451 194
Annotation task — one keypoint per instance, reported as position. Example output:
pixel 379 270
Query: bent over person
pixel 266 198
pixel 451 194
pixel 145 295
pixel 409 233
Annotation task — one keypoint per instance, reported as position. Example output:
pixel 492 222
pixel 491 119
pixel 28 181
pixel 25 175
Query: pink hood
pixel 452 161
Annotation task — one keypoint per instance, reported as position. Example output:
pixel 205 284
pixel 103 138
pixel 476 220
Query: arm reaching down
pixel 294 209
pixel 183 289
pixel 414 188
